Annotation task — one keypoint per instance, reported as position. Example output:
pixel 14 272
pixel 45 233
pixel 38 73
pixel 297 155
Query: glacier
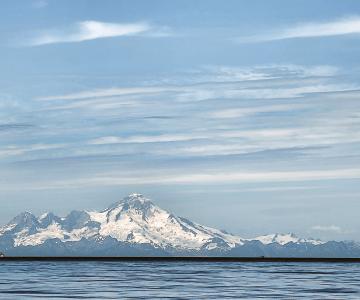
pixel 135 226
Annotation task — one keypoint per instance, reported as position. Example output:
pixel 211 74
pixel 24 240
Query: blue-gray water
pixel 178 280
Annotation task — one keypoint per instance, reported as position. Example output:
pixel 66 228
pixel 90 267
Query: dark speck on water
pixel 178 280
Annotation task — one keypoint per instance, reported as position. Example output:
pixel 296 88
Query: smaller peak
pixel 25 215
pixel 46 215
pixel 48 218
pixel 75 219
pixel 25 218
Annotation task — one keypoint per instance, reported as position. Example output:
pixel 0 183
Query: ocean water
pixel 178 280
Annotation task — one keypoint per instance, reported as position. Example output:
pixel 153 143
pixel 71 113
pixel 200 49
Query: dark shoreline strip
pixel 184 259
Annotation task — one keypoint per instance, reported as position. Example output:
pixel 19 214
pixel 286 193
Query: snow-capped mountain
pixel 283 239
pixel 136 226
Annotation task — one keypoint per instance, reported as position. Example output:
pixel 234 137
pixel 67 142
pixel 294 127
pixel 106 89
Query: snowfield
pixel 134 224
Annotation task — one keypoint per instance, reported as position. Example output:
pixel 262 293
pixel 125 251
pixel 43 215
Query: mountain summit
pixel 136 226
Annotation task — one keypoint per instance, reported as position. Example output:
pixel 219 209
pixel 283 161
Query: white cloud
pixel 248 111
pixel 280 133
pixel 163 138
pixel 224 141
pixel 277 189
pixel 150 118
pixel 330 228
pixel 91 30
pixel 344 26
pixel 14 150
pixel 193 93
pixel 114 179
pixel 224 81
pixel 268 176
pixel 110 92
pixel 236 142
pixel 266 72
pixel 10 151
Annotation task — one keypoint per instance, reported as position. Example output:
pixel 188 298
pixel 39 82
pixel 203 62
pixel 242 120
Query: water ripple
pixel 178 280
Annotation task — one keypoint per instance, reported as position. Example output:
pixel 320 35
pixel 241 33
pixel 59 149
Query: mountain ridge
pixel 135 226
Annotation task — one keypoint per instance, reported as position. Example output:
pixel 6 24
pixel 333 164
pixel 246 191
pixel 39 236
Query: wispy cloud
pixel 163 138
pixel 344 26
pixel 195 93
pixel 114 179
pixel 329 228
pixel 110 92
pixel 265 72
pixel 91 30
pixel 14 150
pixel 218 81
pixel 229 134
pixel 248 111
pixel 221 113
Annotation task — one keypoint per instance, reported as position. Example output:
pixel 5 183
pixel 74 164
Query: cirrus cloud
pixel 91 30
pixel 343 26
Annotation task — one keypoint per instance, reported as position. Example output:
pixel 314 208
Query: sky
pixel 240 115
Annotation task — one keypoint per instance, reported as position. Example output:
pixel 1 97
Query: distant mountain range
pixel 135 226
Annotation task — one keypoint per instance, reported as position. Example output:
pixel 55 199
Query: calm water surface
pixel 178 280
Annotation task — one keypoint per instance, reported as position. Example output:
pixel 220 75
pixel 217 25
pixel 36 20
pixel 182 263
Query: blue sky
pixel 242 115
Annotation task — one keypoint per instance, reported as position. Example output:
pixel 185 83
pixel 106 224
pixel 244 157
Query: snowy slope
pixel 284 239
pixel 135 219
pixel 137 222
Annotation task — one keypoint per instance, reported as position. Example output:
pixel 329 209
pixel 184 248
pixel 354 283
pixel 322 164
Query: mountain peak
pixel 137 202
pixel 48 218
pixel 133 200
pixel 134 197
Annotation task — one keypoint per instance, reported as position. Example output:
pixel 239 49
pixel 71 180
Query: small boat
pixel 2 255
